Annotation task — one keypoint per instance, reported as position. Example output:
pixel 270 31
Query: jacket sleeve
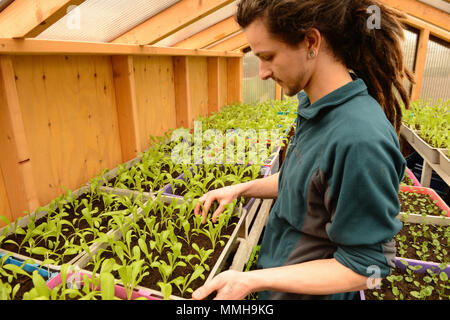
pixel 364 205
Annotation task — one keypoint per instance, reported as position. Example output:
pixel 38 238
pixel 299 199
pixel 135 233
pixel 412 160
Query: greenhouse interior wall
pixel 109 102
pixel 105 93
pixel 85 96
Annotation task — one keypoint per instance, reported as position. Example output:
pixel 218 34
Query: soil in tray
pixel 151 280
pixel 407 180
pixel 67 232
pixel 424 242
pixel 25 282
pixel 146 187
pixel 408 285
pixel 417 203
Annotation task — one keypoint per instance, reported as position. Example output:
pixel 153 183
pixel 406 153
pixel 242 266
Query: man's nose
pixel 264 72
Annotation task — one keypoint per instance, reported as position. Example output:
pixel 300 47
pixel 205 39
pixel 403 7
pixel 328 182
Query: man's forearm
pixel 264 188
pixel 318 277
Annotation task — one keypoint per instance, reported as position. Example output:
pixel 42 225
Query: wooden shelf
pixel 428 166
pixel 260 211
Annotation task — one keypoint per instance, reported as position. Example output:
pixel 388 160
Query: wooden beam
pixel 233 43
pixel 46 47
pixel 170 21
pixel 422 11
pixel 4 202
pixel 182 99
pixel 15 160
pixel 124 86
pixel 210 35
pixel 234 80
pixel 419 68
pixel 242 48
pixel 213 85
pixel 420 25
pixel 28 18
pixel 278 92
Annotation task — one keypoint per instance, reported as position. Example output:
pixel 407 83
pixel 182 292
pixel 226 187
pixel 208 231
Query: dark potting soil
pixel 66 232
pixel 406 287
pixel 421 245
pixel 25 284
pixel 417 203
pixel 407 180
pixel 146 187
pixel 151 280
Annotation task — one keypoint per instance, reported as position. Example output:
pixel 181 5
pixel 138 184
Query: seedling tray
pixel 444 161
pixel 30 267
pixel 434 196
pixel 425 266
pixel 76 279
pixel 429 153
pixel 411 175
pixel 418 219
pixel 40 214
pixel 23 222
pixel 114 172
pixel 168 191
pixel 215 269
pixel 407 133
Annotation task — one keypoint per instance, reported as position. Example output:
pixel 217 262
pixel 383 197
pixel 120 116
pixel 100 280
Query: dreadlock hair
pixel 374 54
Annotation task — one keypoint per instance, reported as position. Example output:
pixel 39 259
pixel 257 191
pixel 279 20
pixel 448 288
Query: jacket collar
pixel 335 98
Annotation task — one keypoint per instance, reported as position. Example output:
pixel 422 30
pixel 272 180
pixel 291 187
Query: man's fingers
pixel 198 206
pixel 204 291
pixel 206 206
pixel 218 211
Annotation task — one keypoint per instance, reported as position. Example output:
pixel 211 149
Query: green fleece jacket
pixel 337 189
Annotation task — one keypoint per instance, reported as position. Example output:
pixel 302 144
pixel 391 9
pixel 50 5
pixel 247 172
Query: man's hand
pixel 230 285
pixel 223 196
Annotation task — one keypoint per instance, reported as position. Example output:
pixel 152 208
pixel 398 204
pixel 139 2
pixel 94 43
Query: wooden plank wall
pixel 4 203
pixel 65 117
pixel 154 80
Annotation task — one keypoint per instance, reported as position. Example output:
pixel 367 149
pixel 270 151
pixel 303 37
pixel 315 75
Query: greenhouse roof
pixel 190 24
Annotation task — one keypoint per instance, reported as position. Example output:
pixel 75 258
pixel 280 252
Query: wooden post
pixel 419 68
pixel 182 99
pixel 213 85
pixel 127 113
pixel 15 161
pixel 5 210
pixel 234 81
pixel 278 92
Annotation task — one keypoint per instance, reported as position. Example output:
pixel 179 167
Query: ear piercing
pixel 312 54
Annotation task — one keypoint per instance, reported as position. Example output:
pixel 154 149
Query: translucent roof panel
pixel 103 20
pixel 204 23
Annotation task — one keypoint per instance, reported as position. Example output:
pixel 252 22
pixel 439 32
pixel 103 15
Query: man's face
pixel 285 64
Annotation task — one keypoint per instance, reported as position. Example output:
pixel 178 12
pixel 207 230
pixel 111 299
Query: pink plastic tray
pixel 422 190
pixel 119 291
pixel 411 175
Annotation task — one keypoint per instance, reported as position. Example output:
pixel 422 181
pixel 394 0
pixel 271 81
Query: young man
pixel 330 232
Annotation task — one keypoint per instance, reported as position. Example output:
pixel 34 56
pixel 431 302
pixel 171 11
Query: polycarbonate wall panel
pixel 436 77
pixel 409 47
pixel 103 20
pixel 255 89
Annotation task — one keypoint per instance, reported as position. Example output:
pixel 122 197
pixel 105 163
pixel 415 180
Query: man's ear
pixel 313 40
